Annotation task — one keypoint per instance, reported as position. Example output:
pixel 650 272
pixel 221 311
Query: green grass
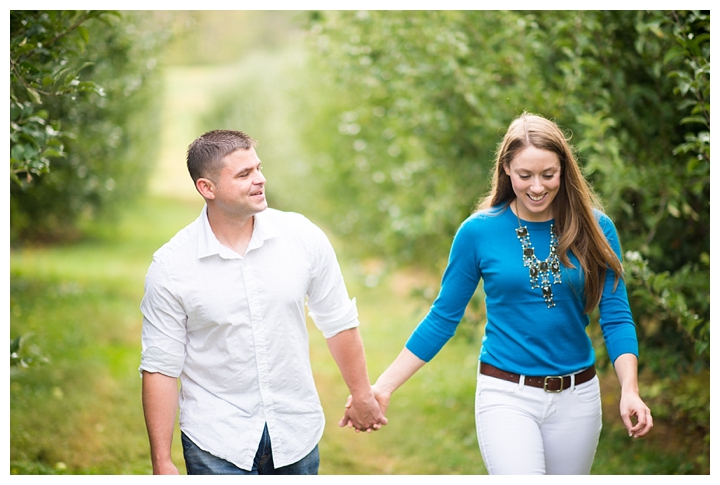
pixel 77 307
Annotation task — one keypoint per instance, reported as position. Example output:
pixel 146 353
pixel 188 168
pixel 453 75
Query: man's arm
pixel 160 400
pixel 347 349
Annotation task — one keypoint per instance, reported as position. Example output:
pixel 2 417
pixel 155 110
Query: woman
pixel 547 257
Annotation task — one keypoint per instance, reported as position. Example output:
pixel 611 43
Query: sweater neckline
pixel 529 224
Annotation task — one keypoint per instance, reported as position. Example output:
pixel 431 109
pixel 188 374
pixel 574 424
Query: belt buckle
pixel 545 383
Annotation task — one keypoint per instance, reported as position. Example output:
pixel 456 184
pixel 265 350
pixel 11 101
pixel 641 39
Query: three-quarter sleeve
pixel 616 320
pixel 458 284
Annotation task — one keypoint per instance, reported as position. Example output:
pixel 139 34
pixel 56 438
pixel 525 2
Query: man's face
pixel 239 187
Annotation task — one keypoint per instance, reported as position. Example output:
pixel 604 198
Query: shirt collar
pixel 263 230
pixel 208 245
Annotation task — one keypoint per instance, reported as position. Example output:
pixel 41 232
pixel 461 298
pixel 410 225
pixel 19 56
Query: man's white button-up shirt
pixel 233 329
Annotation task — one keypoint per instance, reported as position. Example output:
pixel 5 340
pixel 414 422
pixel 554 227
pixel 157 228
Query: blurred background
pixel 381 127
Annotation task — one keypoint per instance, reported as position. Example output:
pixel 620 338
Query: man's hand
pixel 347 350
pixel 355 415
pixel 405 365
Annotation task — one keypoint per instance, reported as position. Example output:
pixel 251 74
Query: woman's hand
pixel 635 414
pixel 633 411
pixel 405 365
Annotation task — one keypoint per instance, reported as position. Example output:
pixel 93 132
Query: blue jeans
pixel 200 462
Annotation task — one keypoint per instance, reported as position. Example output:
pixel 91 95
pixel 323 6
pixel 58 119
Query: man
pixel 223 311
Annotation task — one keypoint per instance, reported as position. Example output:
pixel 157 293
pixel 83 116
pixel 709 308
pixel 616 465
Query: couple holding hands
pixel 224 313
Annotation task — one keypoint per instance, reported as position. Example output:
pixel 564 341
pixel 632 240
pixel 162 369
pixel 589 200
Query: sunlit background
pixel 381 127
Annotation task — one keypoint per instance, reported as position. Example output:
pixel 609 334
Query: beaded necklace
pixel 540 271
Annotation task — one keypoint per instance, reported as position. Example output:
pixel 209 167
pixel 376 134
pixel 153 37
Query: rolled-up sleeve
pixel 329 304
pixel 164 325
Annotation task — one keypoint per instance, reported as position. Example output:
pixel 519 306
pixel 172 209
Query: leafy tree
pixel 417 103
pixel 83 96
pixel 45 48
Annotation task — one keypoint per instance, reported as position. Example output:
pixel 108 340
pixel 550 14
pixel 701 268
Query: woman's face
pixel 535 177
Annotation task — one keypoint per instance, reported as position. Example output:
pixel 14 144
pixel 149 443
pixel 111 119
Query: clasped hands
pixel 366 413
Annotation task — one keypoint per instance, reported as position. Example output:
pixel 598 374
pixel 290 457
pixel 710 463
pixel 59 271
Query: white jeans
pixel 524 430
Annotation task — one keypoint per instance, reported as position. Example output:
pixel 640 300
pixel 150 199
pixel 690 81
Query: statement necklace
pixel 540 271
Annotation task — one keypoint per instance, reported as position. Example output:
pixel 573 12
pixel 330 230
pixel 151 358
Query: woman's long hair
pixel 579 231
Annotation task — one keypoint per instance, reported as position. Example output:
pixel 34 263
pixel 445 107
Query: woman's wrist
pixel 383 387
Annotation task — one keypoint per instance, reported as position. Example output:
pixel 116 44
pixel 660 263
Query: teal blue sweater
pixel 523 335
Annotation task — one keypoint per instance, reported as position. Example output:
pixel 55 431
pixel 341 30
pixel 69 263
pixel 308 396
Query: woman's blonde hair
pixel 578 229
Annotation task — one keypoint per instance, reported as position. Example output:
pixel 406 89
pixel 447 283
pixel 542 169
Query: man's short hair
pixel 205 155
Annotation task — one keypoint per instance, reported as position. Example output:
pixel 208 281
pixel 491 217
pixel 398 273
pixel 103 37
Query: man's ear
pixel 206 188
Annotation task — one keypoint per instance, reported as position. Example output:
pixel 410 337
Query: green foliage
pixel 643 134
pixel 645 141
pixel 676 323
pixel 22 356
pixel 403 141
pixel 84 96
pixel 46 50
pixel 411 106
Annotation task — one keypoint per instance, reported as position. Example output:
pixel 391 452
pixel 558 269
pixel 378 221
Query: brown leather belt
pixel 546 383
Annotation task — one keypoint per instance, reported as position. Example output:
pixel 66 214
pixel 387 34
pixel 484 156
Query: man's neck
pixel 232 232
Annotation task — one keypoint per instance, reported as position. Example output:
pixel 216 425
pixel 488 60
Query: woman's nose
pixel 536 184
